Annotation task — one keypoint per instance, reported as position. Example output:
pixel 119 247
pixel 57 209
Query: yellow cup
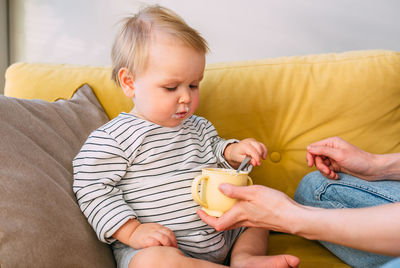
pixel 213 202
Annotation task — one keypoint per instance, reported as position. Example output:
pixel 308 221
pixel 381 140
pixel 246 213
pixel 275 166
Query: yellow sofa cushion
pixel 59 81
pixel 287 103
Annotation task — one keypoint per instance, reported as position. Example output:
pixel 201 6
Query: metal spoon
pixel 244 163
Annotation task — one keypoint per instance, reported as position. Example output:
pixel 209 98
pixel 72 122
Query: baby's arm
pixel 138 235
pixel 97 172
pixel 235 152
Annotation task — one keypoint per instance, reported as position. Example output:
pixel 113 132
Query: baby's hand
pixel 236 152
pixel 152 234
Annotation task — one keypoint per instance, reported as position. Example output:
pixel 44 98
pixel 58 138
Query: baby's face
pixel 167 91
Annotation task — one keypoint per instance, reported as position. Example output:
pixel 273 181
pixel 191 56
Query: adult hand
pixel 258 206
pixel 268 208
pixel 333 155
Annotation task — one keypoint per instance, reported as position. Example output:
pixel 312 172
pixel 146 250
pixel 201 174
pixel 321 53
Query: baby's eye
pixel 170 88
pixel 194 86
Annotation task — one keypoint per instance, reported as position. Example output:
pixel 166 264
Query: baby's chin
pixel 172 122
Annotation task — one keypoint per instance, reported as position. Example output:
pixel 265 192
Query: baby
pixel 132 177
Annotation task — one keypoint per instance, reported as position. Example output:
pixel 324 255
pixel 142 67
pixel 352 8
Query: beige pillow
pixel 41 224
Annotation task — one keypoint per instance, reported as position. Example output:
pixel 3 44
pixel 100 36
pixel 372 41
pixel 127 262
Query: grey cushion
pixel 41 224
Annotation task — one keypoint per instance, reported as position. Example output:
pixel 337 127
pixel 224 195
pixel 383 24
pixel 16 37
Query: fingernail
pixel 223 187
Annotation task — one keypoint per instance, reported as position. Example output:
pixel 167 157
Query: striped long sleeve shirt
pixel 134 169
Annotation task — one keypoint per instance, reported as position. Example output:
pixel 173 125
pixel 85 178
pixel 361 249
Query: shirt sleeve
pixel 218 145
pixel 98 168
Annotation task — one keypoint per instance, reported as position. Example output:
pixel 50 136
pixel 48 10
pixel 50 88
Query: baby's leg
pixel 167 257
pixel 251 248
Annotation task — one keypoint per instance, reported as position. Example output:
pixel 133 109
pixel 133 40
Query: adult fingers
pixel 225 222
pixel 210 220
pixel 320 165
pixel 326 160
pixel 334 175
pixel 238 192
pixel 310 159
pixel 324 151
pixel 233 218
pixel 329 173
pixel 325 142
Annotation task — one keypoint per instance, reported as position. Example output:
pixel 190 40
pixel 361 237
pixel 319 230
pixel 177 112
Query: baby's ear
pixel 126 81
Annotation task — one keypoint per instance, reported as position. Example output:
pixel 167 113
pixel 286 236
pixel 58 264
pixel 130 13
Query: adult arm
pixel 334 155
pixel 374 229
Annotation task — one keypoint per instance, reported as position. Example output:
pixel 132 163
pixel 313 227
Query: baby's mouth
pixel 181 114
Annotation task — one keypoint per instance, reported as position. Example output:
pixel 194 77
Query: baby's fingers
pixel 262 150
pixel 166 237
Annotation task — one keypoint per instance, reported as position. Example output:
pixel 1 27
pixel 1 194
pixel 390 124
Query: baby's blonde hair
pixel 130 49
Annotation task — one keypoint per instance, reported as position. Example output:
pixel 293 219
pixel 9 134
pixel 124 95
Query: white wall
pixel 81 32
pixel 3 42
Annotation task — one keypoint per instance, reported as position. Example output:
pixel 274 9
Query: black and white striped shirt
pixel 133 168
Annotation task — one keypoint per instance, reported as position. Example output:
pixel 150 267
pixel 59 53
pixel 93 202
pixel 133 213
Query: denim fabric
pixel 392 264
pixel 123 254
pixel 348 192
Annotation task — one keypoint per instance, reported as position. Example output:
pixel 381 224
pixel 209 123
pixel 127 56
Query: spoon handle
pixel 245 161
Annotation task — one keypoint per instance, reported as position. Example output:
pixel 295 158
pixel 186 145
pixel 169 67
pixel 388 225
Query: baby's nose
pixel 184 96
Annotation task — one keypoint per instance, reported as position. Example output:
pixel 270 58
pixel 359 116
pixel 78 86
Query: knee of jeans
pixel 305 192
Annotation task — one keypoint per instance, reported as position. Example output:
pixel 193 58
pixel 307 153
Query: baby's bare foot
pixel 276 261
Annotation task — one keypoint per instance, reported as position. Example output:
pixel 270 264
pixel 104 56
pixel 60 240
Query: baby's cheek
pixel 195 104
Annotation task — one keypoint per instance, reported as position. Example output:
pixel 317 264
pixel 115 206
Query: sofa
pixel 48 110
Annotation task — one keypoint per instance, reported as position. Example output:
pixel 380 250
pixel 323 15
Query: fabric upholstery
pixel 41 224
pixel 53 81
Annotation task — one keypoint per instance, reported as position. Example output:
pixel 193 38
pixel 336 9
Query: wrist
pixel 301 221
pixel 289 219
pixel 315 223
pixel 125 233
pixel 227 151
pixel 387 166
pixel 133 227
pixel 227 154
pixel 376 164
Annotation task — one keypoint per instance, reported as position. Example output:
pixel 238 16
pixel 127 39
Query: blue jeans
pixel 392 264
pixel 348 192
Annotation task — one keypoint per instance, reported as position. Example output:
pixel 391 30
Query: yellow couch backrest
pixel 287 103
